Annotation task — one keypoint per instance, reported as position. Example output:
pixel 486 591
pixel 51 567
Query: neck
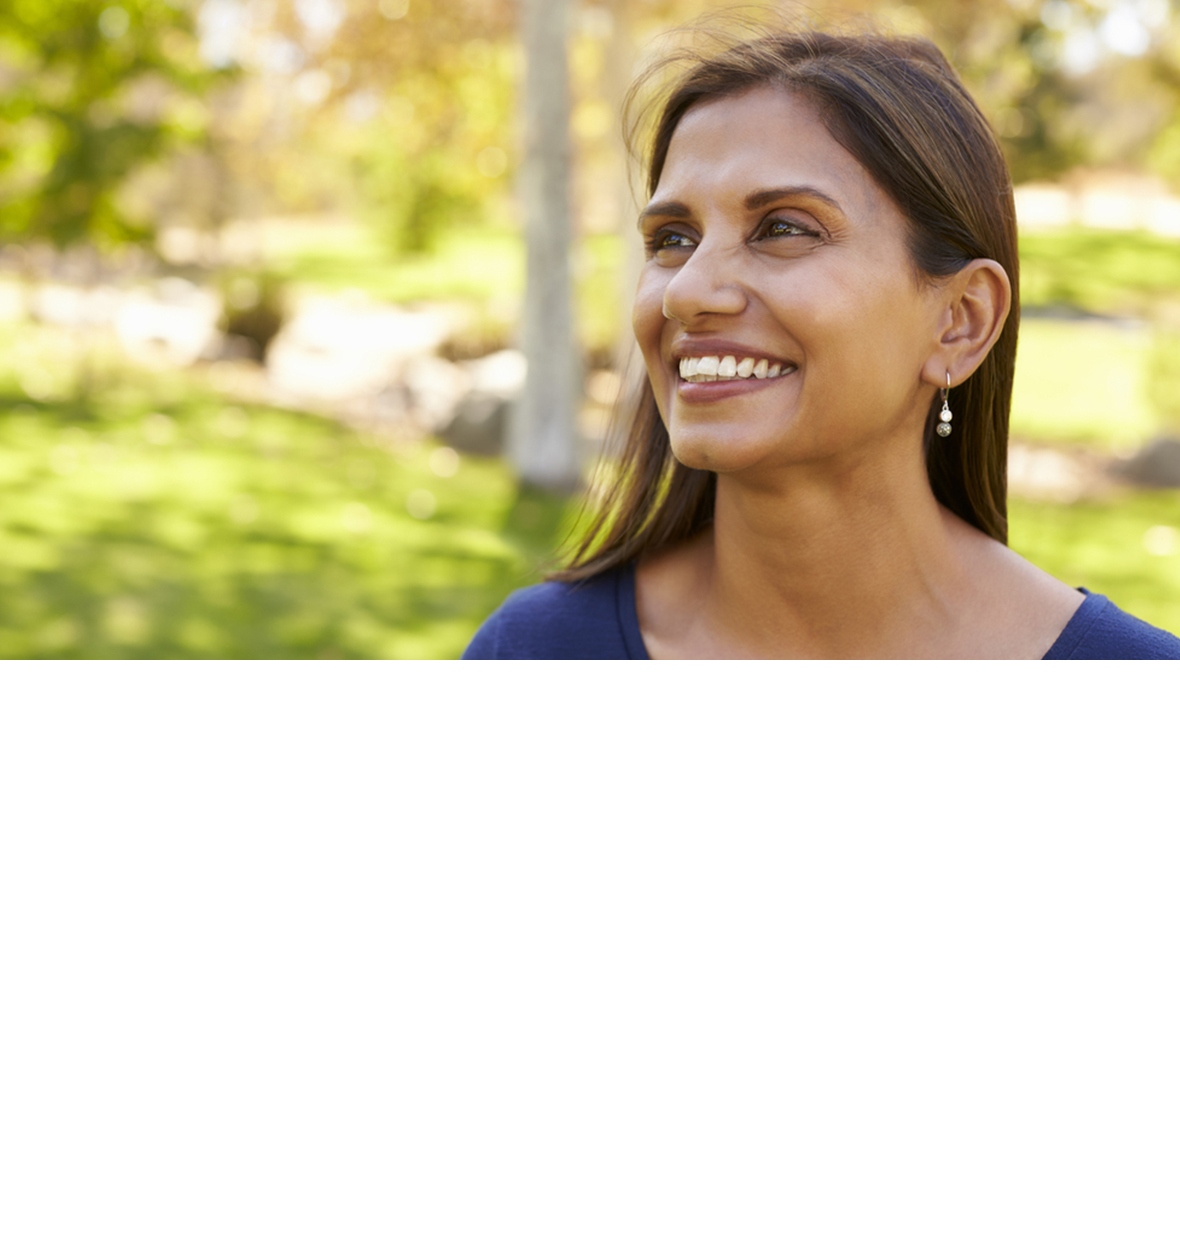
pixel 821 566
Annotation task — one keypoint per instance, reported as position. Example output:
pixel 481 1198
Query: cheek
pixel 646 314
pixel 648 324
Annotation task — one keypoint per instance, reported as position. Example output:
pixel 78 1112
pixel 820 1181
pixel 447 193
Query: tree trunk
pixel 542 440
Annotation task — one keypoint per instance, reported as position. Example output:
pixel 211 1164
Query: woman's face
pixel 778 270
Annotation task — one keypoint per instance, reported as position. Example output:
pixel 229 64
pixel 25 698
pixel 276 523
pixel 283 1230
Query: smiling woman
pixel 828 312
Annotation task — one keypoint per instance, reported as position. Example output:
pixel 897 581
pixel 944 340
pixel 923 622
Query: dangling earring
pixel 944 414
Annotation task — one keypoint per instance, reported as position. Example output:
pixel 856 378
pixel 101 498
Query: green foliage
pixel 443 169
pixel 255 306
pixel 436 150
pixel 1164 156
pixel 413 197
pixel 1039 142
pixel 92 92
pixel 159 523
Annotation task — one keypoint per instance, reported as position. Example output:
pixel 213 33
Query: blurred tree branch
pixel 90 92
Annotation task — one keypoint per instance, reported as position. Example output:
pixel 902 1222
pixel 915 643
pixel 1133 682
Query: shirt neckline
pixel 1067 641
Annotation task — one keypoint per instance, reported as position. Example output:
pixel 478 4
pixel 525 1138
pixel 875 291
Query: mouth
pixel 727 369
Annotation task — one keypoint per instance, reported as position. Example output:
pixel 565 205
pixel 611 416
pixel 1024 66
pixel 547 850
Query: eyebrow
pixel 669 208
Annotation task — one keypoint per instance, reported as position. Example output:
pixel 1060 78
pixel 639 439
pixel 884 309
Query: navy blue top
pixel 596 619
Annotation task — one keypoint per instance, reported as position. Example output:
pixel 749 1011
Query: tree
pixel 90 92
pixel 542 443
pixel 434 84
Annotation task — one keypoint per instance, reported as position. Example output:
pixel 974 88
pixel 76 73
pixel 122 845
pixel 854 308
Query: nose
pixel 705 284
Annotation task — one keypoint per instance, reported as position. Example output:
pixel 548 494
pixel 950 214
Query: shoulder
pixel 1100 630
pixel 592 619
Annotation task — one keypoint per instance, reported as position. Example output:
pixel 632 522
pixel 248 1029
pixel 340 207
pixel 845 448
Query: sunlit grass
pixel 1086 381
pixel 1107 547
pixel 1082 382
pixel 157 523
pixel 1103 272
pixel 484 265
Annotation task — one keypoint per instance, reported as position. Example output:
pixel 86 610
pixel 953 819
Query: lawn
pixel 1083 382
pixel 1127 547
pixel 156 522
pixel 1099 271
pixel 484 268
pixel 481 265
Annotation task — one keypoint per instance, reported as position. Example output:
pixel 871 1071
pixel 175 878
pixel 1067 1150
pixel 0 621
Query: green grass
pixel 1102 546
pixel 154 522
pixel 1083 382
pixel 484 266
pixel 1115 273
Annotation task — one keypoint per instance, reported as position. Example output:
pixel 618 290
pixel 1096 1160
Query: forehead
pixel 763 137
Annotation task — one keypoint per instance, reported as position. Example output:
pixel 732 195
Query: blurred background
pixel 265 383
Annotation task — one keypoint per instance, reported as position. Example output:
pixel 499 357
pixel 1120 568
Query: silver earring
pixel 944 414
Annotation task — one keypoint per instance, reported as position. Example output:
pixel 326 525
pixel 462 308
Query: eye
pixel 669 240
pixel 786 228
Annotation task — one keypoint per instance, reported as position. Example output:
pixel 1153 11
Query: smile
pixel 718 369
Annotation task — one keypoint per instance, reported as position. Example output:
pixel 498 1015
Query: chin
pixel 700 447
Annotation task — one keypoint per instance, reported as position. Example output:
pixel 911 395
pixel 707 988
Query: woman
pixel 828 316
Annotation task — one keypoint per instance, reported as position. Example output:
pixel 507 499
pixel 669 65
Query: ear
pixel 978 299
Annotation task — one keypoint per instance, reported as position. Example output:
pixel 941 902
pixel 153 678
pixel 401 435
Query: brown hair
pixel 896 105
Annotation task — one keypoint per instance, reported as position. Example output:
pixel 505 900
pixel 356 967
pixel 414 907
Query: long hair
pixel 896 105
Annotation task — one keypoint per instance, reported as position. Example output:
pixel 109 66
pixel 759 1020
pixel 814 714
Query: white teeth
pixel 715 369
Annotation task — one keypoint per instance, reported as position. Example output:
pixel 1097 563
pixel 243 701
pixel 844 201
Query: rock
pixel 341 349
pixel 434 388
pixel 480 418
pixel 479 424
pixel 501 373
pixel 1156 464
pixel 66 305
pixel 174 323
